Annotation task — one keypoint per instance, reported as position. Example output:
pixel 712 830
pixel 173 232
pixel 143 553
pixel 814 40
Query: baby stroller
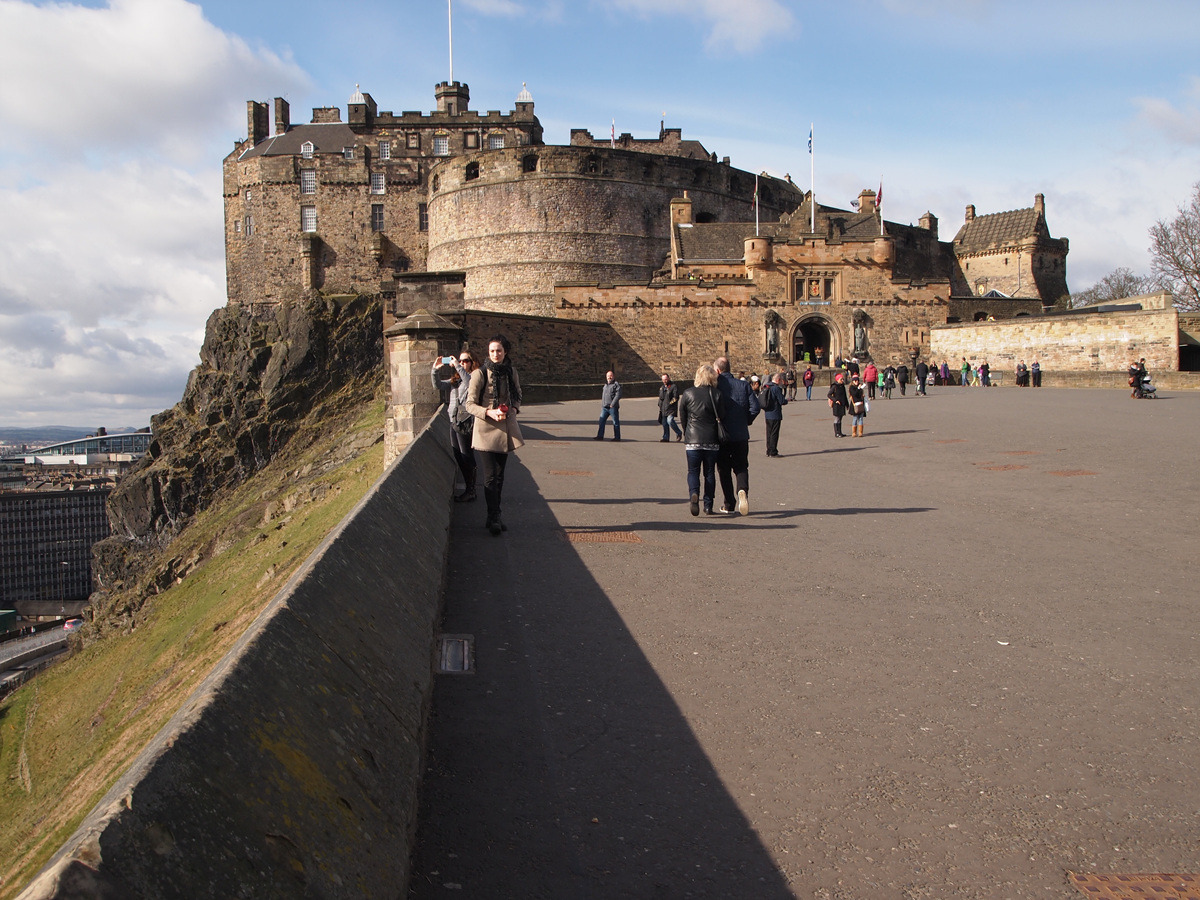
pixel 1143 388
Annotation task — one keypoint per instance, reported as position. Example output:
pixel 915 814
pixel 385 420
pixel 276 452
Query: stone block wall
pixel 293 771
pixel 1090 342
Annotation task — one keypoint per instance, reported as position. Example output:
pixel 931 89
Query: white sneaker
pixel 743 504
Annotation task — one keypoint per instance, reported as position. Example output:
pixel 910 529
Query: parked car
pixel 72 624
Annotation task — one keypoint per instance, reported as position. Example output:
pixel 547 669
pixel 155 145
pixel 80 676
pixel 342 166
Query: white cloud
pixel 113 121
pixel 737 25
pixel 1179 123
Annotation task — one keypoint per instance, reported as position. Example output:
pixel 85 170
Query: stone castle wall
pixel 518 221
pixel 1091 342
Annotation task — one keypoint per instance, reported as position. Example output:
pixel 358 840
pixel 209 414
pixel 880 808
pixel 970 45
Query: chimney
pixel 970 212
pixel 257 127
pixel 283 116
pixel 1039 204
pixel 930 223
pixel 866 201
pixel 681 210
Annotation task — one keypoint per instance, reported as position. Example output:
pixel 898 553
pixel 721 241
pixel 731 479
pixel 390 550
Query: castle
pixel 679 253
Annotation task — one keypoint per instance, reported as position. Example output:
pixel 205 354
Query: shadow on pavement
pixel 563 768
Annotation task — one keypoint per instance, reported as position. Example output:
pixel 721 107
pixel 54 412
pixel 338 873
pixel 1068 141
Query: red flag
pixel 879 198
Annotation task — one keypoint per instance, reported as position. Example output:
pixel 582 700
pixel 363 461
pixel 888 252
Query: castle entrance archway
pixel 811 341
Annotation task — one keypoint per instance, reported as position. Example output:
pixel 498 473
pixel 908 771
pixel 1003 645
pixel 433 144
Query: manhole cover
pixel 1071 473
pixel 456 655
pixel 1142 887
pixel 603 537
pixel 572 472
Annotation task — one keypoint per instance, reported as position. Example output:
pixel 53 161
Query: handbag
pixel 858 407
pixel 722 434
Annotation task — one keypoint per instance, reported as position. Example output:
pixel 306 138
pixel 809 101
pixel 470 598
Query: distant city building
pixel 87 451
pixel 46 543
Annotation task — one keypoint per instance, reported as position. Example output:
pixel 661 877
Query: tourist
pixel 985 376
pixel 740 406
pixel 610 405
pixel 922 377
pixel 789 380
pixel 1022 374
pixel 858 406
pixel 668 403
pixel 837 402
pixel 1035 370
pixel 809 378
pixel 494 399
pixel 772 401
pixel 698 414
pixel 889 381
pixel 454 395
pixel 945 373
pixel 902 377
pixel 966 372
pixel 871 377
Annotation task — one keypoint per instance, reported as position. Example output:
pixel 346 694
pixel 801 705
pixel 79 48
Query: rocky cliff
pixel 264 379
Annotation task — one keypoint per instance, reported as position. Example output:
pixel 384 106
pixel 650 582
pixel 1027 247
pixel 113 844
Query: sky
pixel 115 116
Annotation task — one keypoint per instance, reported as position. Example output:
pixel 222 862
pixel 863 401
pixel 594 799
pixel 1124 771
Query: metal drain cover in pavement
pixel 603 537
pixel 456 655
pixel 1141 887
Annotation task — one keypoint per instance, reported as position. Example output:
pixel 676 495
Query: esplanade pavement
pixel 952 659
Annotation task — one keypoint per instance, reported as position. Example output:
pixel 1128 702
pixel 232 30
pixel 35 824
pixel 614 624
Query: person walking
pixel 809 378
pixel 610 405
pixel 698 414
pixel 945 373
pixel 870 377
pixel 668 404
pixel 837 402
pixel 733 460
pixel 454 391
pixel 966 372
pixel 922 377
pixel 789 382
pixel 858 406
pixel 772 401
pixel 902 377
pixel 494 399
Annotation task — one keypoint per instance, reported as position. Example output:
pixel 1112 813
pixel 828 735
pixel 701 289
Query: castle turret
pixel 361 109
pixel 453 97
pixel 757 253
pixel 930 223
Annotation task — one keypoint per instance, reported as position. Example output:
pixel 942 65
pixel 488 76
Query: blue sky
pixel 114 117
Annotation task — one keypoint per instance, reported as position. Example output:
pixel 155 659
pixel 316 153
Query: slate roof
pixel 326 137
pixel 720 240
pixel 999 229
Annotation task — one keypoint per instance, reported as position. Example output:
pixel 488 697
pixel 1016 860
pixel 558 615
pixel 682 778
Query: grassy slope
pixel 66 736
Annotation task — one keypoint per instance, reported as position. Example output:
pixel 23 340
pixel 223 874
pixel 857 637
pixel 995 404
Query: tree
pixel 1175 253
pixel 1117 285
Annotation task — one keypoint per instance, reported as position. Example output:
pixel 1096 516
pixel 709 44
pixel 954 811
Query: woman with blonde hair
pixel 699 414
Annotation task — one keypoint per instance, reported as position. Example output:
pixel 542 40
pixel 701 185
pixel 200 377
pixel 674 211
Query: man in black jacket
pixel 741 406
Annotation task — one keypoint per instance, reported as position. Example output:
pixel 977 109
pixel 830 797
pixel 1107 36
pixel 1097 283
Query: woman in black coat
pixel 699 409
pixel 838 401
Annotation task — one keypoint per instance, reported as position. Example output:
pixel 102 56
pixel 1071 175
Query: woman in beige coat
pixel 494 399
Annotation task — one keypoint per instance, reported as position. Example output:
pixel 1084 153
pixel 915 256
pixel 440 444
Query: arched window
pixel 472 171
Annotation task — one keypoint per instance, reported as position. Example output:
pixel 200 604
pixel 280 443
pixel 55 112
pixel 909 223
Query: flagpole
pixel 879 205
pixel 450 27
pixel 756 206
pixel 812 182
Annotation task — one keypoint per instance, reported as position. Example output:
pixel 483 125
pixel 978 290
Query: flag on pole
pixel 810 132
pixel 613 140
pixel 879 198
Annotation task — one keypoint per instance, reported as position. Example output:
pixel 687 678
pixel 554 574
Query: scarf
pixel 502 373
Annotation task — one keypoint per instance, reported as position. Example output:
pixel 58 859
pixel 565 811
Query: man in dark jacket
pixel 741 406
pixel 610 405
pixel 772 401
pixel 902 377
pixel 668 403
pixel 922 376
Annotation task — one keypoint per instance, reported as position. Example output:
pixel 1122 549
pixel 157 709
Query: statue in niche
pixel 771 320
pixel 860 335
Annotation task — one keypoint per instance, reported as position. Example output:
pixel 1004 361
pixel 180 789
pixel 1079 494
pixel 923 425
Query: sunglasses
pixel 466 361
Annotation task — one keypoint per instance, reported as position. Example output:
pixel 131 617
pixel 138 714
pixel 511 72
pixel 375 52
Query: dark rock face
pixel 260 375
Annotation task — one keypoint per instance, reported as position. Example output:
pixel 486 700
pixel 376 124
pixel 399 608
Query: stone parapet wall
pixel 1094 342
pixel 293 770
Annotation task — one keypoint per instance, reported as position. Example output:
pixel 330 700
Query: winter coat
pixel 741 406
pixel 697 415
pixel 491 436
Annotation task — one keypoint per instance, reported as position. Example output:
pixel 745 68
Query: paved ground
pixel 953 659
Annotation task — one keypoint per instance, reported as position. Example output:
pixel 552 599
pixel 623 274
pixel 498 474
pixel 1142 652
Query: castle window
pixel 472 140
pixel 308 181
pixel 377 217
pixel 591 165
pixel 377 183
pixel 472 171
pixel 529 163
pixel 249 196
pixel 414 141
pixel 441 145
pixel 385 149
pixel 306 149
pixel 249 225
pixel 422 217
pixel 237 226
pixel 308 218
pixel 495 141
pixel 437 181
pixel 347 153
